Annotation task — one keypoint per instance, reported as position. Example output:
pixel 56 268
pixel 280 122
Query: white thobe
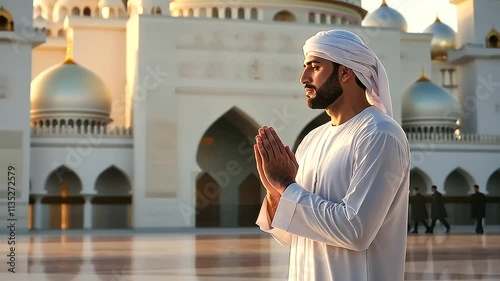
pixel 346 217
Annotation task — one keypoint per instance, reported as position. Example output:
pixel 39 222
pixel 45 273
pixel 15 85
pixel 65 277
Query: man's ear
pixel 345 73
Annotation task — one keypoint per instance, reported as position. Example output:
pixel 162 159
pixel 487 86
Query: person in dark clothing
pixel 419 211
pixel 438 211
pixel 478 208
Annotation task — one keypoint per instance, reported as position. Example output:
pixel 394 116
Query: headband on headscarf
pixel 346 48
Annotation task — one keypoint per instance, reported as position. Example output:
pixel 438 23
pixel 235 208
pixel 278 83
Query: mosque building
pixel 142 113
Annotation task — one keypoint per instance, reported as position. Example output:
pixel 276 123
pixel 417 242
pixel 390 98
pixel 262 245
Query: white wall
pixel 15 73
pixel 87 157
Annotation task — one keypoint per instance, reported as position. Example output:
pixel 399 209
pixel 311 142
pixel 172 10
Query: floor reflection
pixel 240 255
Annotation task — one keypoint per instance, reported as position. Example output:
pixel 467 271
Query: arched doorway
pixel 111 207
pixel 207 202
pixel 249 200
pixel 225 153
pixel 316 122
pixel 419 179
pixel 493 197
pixel 62 207
pixel 457 186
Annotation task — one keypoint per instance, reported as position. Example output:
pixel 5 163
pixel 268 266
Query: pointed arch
pixel 316 122
pixel 111 207
pixel 225 152
pixel 493 184
pixel 235 119
pixel 63 176
pixel 420 179
pixel 207 201
pixel 458 183
pixel 113 182
pixel 63 201
pixel 249 200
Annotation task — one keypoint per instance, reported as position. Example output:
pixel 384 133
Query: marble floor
pixel 223 254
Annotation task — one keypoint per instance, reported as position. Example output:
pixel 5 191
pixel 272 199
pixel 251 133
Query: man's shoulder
pixel 376 122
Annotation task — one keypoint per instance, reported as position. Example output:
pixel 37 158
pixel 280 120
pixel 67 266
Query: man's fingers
pixel 271 144
pixel 266 143
pixel 263 153
pixel 292 156
pixel 278 141
pixel 262 175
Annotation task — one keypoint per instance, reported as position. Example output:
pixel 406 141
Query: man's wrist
pixel 286 182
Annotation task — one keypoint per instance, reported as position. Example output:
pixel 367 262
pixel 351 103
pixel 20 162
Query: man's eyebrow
pixel 311 62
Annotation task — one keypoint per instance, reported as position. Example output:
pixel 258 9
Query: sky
pixel 419 14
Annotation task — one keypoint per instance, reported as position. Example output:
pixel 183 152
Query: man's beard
pixel 327 93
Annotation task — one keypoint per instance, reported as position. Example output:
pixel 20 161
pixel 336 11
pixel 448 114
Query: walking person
pixel 478 208
pixel 438 210
pixel 419 211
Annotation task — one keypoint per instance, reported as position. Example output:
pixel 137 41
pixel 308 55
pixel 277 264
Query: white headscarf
pixel 346 48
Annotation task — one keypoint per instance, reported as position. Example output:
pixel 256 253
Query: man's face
pixel 321 82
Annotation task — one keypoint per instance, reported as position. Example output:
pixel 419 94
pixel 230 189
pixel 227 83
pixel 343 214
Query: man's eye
pixel 315 67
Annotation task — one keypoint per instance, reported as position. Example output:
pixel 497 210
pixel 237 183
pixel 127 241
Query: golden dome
pixel 427 104
pixel 69 90
pixel 443 39
pixel 387 17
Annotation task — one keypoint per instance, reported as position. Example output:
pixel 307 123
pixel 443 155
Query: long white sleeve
pixel 264 222
pixel 380 167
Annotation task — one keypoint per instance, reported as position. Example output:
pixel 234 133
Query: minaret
pixel 17 38
pixel 477 65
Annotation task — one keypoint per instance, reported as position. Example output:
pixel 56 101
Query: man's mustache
pixel 311 86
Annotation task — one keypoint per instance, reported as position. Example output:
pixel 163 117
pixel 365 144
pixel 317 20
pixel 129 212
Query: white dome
pixel 387 17
pixel 426 104
pixel 443 39
pixel 69 90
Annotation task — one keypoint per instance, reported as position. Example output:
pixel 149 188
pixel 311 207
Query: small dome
pixel 426 104
pixel 387 17
pixel 443 39
pixel 69 91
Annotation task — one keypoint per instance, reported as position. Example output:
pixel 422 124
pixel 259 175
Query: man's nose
pixel 305 78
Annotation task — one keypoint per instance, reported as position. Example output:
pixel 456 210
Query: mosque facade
pixel 142 113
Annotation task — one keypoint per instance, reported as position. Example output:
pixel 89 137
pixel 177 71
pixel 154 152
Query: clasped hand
pixel 276 163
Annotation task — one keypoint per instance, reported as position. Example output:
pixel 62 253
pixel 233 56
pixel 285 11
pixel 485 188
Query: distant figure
pixel 419 211
pixel 438 211
pixel 478 208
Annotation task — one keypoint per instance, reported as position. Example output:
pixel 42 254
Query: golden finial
pixel 69 51
pixel 383 3
pixel 422 78
pixel 437 17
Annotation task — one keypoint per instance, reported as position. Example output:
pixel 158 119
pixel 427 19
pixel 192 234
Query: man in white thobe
pixel 341 202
